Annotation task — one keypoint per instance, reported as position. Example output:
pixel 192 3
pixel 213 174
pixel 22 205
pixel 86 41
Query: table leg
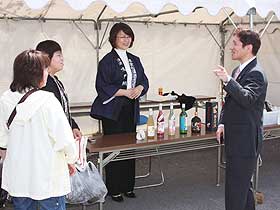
pixel 218 172
pixel 256 180
pixel 100 161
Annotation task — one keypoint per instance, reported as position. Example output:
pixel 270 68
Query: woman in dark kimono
pixel 120 81
pixel 54 85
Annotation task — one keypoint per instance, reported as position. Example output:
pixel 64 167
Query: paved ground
pixel 190 183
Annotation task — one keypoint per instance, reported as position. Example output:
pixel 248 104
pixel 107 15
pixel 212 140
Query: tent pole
pixel 229 17
pixel 98 47
pixel 101 13
pixel 256 22
pixel 251 12
pixel 101 42
pixel 160 22
pixel 213 37
pixel 139 16
pixel 97 62
pixel 87 38
pixel 268 23
pixel 222 62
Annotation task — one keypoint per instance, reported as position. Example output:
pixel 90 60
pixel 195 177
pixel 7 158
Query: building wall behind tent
pixel 175 57
pixel 268 56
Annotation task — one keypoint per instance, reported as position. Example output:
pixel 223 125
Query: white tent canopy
pixel 179 42
pixel 91 9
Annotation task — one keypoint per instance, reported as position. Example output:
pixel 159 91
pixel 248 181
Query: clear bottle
pixel 183 120
pixel 196 123
pixel 150 125
pixel 171 121
pixel 160 123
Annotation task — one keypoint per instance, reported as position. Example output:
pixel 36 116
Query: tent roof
pixel 172 11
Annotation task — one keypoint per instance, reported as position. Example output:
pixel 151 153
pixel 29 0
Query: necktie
pixel 236 73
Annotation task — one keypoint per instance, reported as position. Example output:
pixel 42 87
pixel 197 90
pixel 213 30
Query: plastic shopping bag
pixel 87 185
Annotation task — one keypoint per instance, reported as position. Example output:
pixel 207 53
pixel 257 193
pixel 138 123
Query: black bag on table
pixel 183 99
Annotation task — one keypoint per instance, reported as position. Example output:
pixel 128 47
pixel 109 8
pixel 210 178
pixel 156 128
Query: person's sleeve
pixel 3 129
pixel 51 87
pixel 105 87
pixel 74 124
pixel 59 130
pixel 143 79
pixel 228 79
pixel 221 119
pixel 246 95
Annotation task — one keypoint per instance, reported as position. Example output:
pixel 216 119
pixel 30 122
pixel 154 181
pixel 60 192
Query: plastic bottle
pixel 171 121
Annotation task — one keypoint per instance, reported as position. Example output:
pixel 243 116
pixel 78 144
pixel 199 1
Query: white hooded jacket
pixel 39 145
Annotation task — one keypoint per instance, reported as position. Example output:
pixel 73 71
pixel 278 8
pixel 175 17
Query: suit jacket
pixel 51 86
pixel 109 80
pixel 243 111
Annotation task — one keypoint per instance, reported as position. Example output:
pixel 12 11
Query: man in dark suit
pixel 241 122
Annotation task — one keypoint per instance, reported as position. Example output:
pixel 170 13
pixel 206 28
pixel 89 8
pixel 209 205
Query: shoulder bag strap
pixel 13 114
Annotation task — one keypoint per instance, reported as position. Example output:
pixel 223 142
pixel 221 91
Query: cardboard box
pixel 211 116
pixel 270 118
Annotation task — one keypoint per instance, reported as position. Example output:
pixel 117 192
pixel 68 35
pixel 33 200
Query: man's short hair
pixel 247 37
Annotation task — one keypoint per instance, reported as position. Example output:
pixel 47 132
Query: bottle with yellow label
pixel 150 125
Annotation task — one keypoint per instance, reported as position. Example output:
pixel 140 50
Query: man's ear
pixel 249 47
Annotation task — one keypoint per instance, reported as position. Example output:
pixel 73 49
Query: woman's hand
pixel 77 134
pixel 136 92
pixel 72 169
pixel 2 154
pixel 220 133
pixel 132 93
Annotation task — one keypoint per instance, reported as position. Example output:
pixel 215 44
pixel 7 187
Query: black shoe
pixel 130 194
pixel 117 198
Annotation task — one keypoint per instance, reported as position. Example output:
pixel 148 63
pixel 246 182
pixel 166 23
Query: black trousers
pixel 120 175
pixel 238 187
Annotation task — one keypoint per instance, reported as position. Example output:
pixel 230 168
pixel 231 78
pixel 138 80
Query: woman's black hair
pixel 49 47
pixel 117 27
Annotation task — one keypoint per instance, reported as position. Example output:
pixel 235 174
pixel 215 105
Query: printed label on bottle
pixel 196 126
pixel 183 124
pixel 160 117
pixel 151 131
pixel 160 128
pixel 171 127
pixel 186 123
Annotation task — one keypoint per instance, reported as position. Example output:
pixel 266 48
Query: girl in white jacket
pixel 39 143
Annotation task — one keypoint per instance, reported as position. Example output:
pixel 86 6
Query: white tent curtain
pixel 176 57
